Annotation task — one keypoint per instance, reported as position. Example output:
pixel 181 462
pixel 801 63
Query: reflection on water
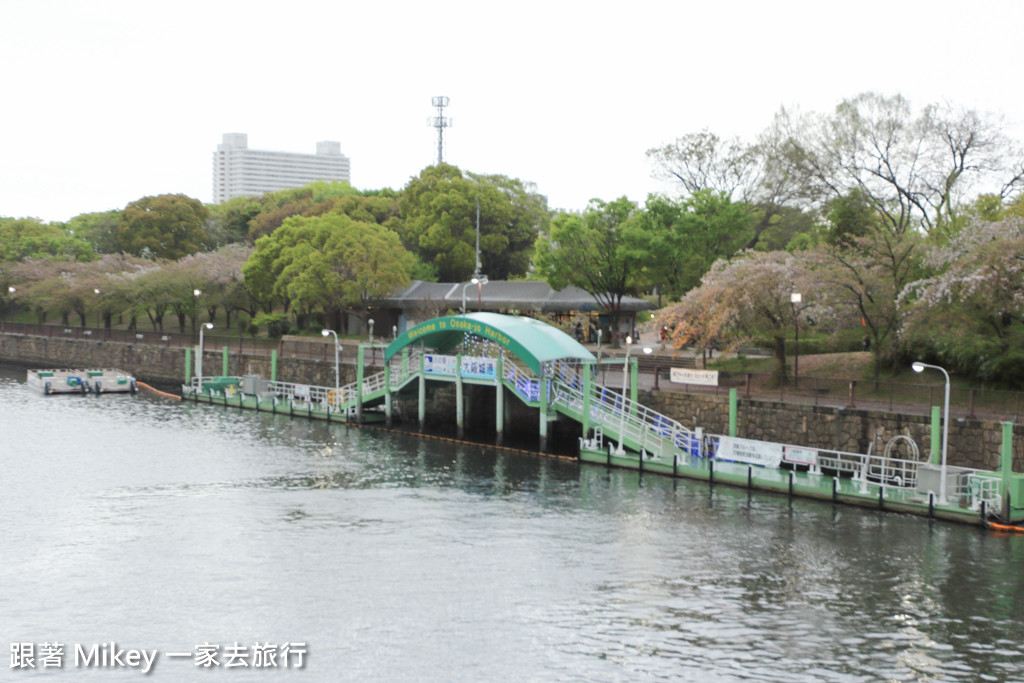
pixel 163 525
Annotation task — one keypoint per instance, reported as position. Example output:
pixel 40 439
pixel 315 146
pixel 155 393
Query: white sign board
pixel 708 378
pixel 800 456
pixel 762 453
pixel 302 391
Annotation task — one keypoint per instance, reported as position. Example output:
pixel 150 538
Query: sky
pixel 108 101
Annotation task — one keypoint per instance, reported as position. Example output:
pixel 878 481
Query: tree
pixel 30 238
pixel 970 315
pixel 167 226
pixel 742 300
pixel 98 229
pixel 914 170
pixel 327 263
pixel 439 222
pixel 677 241
pixel 590 251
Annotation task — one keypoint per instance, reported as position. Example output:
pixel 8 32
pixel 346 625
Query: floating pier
pixel 534 363
pixel 71 381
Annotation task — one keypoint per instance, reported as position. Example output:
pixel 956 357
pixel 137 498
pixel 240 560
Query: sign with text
pixel 800 456
pixel 762 453
pixel 708 378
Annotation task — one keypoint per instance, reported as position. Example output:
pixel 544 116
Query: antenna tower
pixel 440 122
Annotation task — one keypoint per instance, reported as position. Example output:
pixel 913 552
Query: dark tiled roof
pixel 504 295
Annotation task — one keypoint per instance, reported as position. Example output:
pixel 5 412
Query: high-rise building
pixel 242 172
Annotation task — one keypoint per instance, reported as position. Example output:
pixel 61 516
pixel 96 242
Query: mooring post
pixel 188 366
pixel 273 365
pixel 224 364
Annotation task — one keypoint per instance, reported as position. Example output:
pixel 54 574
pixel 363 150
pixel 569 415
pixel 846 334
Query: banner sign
pixel 434 364
pixel 762 453
pixel 479 367
pixel 708 378
pixel 302 391
pixel 800 456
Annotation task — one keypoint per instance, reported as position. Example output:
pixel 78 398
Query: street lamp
pixel 337 348
pixel 371 329
pixel 625 374
pixel 474 281
pixel 919 367
pixel 196 293
pixel 794 299
pixel 199 361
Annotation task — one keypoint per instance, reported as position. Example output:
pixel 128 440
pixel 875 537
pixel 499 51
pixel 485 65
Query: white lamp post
pixel 474 281
pixel 919 367
pixel 199 360
pixel 370 321
pixel 625 373
pixel 337 348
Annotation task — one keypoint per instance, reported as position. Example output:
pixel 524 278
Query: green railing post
pixel 733 407
pixel 273 365
pixel 936 435
pixel 224 369
pixel 188 365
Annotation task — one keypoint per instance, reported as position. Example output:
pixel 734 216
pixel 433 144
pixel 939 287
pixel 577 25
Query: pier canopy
pixel 532 341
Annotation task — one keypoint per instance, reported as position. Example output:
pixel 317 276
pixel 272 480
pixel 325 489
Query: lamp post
pixel 195 308
pixel 919 367
pixel 794 299
pixel 199 360
pixel 97 292
pixel 337 348
pixel 474 281
pixel 625 373
pixel 370 321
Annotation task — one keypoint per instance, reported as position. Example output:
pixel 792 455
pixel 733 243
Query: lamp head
pixel 474 281
pixel 648 349
pixel 196 292
pixel 917 366
pixel 325 333
pixel 208 326
pixel 629 340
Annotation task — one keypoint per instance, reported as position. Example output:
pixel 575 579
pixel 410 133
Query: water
pixel 166 526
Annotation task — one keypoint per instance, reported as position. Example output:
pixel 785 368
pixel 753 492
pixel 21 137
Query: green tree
pixel 167 226
pixel 677 241
pixel 30 238
pixel 327 263
pixel 439 222
pixel 590 251
pixel 98 229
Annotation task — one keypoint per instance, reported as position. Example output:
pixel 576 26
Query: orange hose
pixel 156 391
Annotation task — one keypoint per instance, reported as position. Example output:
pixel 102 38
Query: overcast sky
pixel 108 101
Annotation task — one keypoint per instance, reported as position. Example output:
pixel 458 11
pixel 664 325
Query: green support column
pixel 188 366
pixel 936 457
pixel 587 383
pixel 633 395
pixel 422 410
pixel 224 364
pixel 1006 470
pixel 458 397
pixel 405 362
pixel 543 411
pixel 360 357
pixel 499 401
pixel 733 406
pixel 387 394
pixel 273 365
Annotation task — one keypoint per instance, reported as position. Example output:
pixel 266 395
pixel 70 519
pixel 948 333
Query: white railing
pixel 629 421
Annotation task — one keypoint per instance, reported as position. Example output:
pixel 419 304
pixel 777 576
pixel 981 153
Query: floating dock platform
pixel 71 381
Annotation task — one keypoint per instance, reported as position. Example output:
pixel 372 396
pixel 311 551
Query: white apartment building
pixel 242 172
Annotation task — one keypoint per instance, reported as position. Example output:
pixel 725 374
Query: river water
pixel 189 529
